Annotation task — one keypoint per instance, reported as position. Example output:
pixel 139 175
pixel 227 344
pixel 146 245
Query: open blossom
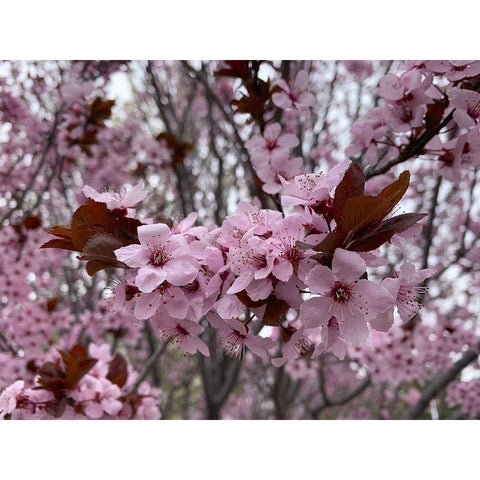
pixel 160 257
pixel 291 258
pixel 281 165
pixel 294 94
pixel 115 200
pixel 272 141
pixel 9 398
pixel 297 345
pixel 98 396
pixel 407 293
pixel 343 295
pixel 182 333
pixel 312 188
pixel 467 106
pixel 165 298
pixel 235 337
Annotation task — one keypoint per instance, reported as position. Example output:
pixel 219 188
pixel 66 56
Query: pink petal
pixel 354 329
pixel 383 321
pixel 259 289
pixel 134 196
pixel 176 304
pixel 146 305
pixel 150 277
pixel 281 100
pixel 315 312
pixel 306 99
pixel 153 235
pixel 320 280
pixel 289 140
pixel 374 297
pixel 132 255
pixel 272 132
pixel 182 270
pixel 283 269
pixel 348 266
pixel 177 245
pixel 241 282
pixel 301 81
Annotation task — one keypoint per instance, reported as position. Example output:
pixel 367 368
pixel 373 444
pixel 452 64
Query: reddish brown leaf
pixel 100 110
pixel 274 310
pixel 117 371
pixel 32 222
pixel 331 242
pixel 235 69
pixel 59 243
pixel 62 231
pixel 395 191
pixel 361 212
pixel 352 185
pixel 434 115
pixel 247 301
pixel 52 304
pixel 384 232
pixel 89 220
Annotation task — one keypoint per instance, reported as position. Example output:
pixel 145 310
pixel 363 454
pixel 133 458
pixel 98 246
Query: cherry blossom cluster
pixel 465 395
pixel 95 396
pixel 445 93
pixel 288 279
pixel 180 275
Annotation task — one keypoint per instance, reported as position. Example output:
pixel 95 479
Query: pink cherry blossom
pixel 234 336
pixel 160 257
pixel 272 141
pixel 182 334
pixel 115 200
pixel 9 398
pixel 343 295
pixel 98 396
pixel 294 95
pixel 467 106
pixel 297 345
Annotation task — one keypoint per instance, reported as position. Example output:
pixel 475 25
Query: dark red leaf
pixel 59 243
pixel 352 185
pixel 89 220
pixel 62 231
pixel 395 191
pixel 32 222
pixel 384 232
pixel 117 371
pixel 274 310
pixel 247 301
pixel 361 212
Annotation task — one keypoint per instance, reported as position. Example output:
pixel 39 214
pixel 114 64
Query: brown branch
pixel 148 365
pixel 440 383
pixel 343 400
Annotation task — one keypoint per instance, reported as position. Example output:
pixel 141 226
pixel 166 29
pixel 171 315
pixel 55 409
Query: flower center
pixel 159 256
pixel 340 292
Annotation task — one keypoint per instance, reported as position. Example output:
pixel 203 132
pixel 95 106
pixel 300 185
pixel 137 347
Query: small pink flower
pixel 9 398
pixel 312 188
pixel 406 292
pixel 115 200
pixel 235 337
pixel 263 147
pixel 182 333
pixel 297 345
pixel 294 95
pixel 160 257
pixel 467 106
pixel 98 396
pixel 343 295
